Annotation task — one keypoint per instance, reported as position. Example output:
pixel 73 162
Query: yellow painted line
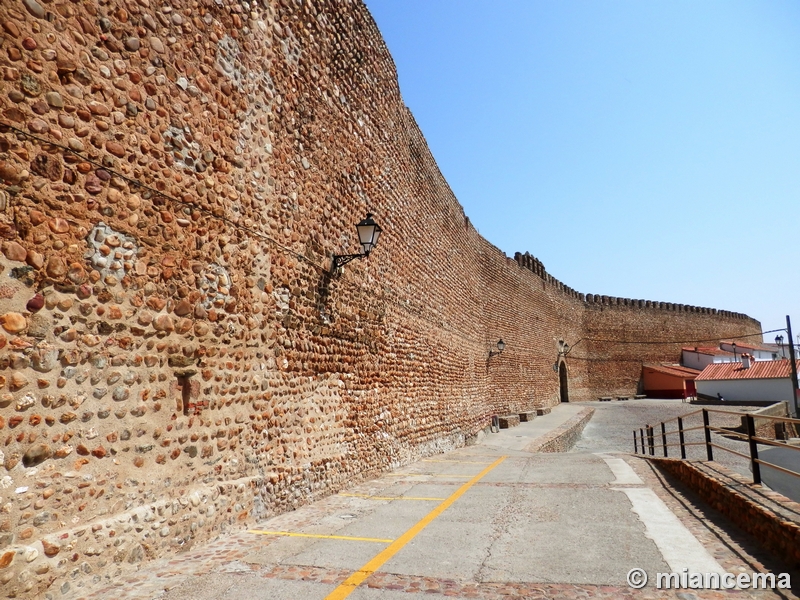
pixel 463 462
pixel 357 578
pixel 316 535
pixel 386 497
pixel 427 475
pixel 467 455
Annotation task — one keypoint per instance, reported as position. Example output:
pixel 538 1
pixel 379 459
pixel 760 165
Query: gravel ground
pixel 611 429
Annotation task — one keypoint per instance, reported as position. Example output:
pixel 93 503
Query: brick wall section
pixel 771 518
pixel 564 437
pixel 175 359
pixel 614 368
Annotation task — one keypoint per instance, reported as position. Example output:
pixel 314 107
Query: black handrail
pixel 753 440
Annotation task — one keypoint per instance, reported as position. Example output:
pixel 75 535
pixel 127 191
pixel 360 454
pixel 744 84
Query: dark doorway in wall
pixel 562 380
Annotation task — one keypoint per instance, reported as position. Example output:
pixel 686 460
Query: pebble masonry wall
pixel 175 360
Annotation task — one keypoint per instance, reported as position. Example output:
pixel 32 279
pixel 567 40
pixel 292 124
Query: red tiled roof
pixel 711 351
pixel 674 370
pixel 762 369
pixel 743 346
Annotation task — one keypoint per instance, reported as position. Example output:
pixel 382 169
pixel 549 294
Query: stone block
pixel 507 421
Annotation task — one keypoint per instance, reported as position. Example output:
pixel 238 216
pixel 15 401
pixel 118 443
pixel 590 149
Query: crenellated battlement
pixel 536 266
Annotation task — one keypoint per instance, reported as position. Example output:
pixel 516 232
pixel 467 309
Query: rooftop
pixel 675 370
pixel 766 369
pixel 709 350
pixel 744 346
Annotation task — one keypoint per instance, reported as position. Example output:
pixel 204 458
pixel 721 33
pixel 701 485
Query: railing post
pixel 650 440
pixel 635 443
pixel 751 433
pixel 707 429
pixel 664 438
pixel 680 436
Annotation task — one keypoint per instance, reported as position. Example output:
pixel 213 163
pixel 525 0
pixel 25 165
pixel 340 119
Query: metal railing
pixel 647 442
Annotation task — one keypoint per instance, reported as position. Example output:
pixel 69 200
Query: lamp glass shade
pixel 501 345
pixel 368 233
pixel 779 339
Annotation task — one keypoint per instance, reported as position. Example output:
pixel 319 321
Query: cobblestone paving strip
pixel 503 591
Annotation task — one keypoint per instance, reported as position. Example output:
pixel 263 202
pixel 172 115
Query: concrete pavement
pixel 514 524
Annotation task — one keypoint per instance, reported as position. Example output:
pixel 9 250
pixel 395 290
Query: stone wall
pixel 176 358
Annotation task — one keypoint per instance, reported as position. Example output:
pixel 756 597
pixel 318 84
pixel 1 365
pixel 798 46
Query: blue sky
pixel 646 149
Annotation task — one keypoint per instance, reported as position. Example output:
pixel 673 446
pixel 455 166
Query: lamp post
pixel 368 233
pixel 793 365
pixel 734 351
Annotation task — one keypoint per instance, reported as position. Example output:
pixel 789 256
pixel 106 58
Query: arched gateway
pixel 562 380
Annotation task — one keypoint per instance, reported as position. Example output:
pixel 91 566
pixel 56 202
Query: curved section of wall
pixel 618 335
pixel 176 357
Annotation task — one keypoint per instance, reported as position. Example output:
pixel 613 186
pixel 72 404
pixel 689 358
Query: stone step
pixel 507 421
pixel 543 411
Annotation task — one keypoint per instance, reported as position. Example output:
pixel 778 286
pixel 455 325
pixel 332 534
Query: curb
pixel 563 437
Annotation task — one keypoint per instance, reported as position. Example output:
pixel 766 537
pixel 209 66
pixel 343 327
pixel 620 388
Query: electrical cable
pixel 729 337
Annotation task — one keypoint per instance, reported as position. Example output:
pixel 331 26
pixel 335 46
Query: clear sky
pixel 641 149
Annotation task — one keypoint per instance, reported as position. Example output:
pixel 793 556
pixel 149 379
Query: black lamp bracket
pixel 340 260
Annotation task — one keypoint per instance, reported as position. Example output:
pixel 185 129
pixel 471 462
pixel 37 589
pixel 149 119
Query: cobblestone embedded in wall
pixel 175 358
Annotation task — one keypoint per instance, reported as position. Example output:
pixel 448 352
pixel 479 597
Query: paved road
pixel 611 429
pixel 487 521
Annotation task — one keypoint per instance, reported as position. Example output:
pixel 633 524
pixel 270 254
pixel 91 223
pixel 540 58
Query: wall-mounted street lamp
pixel 779 342
pixel 368 233
pixel 501 345
pixel 563 350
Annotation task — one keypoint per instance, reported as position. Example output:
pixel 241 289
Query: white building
pixel 760 352
pixel 751 380
pixel 700 358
